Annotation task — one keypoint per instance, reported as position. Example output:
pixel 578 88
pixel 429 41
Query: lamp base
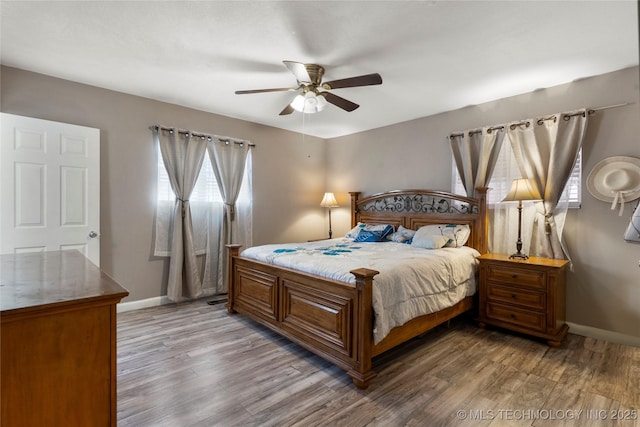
pixel 518 255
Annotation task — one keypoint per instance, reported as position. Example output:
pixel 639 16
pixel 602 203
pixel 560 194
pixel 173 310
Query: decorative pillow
pixel 353 233
pixel 458 234
pixel 403 235
pixel 374 233
pixel 429 237
pixel 455 235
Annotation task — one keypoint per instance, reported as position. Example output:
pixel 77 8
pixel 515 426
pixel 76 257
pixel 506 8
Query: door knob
pixel 93 234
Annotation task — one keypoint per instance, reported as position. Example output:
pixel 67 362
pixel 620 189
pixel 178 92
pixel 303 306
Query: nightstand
pixel 526 296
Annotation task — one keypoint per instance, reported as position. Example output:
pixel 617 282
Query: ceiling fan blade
pixel 365 80
pixel 299 70
pixel 338 101
pixel 287 110
pixel 278 89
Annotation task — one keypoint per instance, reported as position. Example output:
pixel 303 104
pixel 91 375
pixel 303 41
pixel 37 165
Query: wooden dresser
pixel 527 296
pixel 57 341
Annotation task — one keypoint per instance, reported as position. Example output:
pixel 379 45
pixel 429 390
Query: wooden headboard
pixel 416 208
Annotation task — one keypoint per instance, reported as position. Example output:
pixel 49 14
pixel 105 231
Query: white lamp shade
pixel 522 189
pixel 329 201
pixel 309 103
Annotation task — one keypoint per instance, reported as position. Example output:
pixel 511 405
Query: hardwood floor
pixel 192 364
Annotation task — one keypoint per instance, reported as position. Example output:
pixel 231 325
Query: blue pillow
pixel 373 235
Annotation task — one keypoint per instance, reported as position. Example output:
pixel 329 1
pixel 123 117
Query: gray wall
pixel 290 176
pixel 604 288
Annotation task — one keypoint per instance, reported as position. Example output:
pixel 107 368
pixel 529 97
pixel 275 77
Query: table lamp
pixel 329 201
pixel 521 189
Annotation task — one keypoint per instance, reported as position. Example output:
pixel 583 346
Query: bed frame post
pixel 482 244
pixel 354 207
pixel 234 251
pixel 361 373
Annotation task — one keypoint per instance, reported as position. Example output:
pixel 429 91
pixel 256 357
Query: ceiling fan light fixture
pixel 309 79
pixel 309 103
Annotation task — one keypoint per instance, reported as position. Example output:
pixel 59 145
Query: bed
pixel 335 316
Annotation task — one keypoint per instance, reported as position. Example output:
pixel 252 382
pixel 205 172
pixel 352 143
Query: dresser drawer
pixel 523 318
pixel 517 276
pixel 530 299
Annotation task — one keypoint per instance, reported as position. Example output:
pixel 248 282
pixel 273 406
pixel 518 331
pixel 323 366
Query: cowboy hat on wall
pixel 615 180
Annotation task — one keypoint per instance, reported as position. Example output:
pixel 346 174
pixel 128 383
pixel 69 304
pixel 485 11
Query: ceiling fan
pixel 310 99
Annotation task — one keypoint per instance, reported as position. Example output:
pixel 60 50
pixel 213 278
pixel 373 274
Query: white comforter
pixel 412 281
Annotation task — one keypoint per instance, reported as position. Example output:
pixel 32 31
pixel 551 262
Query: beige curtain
pixel 546 151
pixel 229 158
pixel 476 156
pixel 183 155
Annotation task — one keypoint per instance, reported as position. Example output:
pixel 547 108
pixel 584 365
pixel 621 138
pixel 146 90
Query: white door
pixel 50 186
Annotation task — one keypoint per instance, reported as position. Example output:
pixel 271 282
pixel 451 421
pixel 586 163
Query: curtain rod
pixel 624 104
pixel 565 116
pixel 202 135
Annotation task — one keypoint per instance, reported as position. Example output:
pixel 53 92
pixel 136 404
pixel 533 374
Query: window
pixel 206 189
pixel 206 207
pixel 507 170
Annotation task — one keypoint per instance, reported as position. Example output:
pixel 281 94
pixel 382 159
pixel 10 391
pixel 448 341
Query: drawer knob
pixel 513 296
pixel 514 276
pixel 513 316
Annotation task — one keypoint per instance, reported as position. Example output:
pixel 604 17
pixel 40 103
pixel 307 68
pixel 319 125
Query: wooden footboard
pixel 329 318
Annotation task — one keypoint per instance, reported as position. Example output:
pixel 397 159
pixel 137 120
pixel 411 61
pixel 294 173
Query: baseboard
pixel 602 334
pixel 142 303
pixel 162 300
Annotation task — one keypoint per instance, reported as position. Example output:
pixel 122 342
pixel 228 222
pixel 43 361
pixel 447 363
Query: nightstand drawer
pixel 525 319
pixel 530 299
pixel 517 276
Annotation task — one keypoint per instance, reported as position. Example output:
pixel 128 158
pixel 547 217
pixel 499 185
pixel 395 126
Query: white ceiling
pixel 434 56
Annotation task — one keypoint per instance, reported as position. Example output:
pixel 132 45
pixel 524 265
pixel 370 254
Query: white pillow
pixel 458 234
pixel 353 233
pixel 455 235
pixel 429 237
pixel 403 235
